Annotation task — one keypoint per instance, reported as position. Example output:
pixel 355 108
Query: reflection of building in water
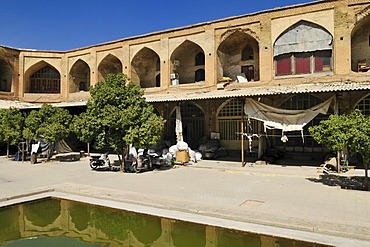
pixel 112 227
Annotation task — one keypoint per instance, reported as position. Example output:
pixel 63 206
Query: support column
pixel 165 63
pixel 266 65
pixel 64 79
pixel 210 55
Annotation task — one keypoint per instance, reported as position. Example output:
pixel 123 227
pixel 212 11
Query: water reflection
pixel 80 216
pixel 50 211
pixel 9 225
pixel 62 221
pixel 187 234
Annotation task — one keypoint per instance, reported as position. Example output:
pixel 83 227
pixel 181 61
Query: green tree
pixel 333 134
pixel 11 126
pixel 359 141
pixel 50 123
pixel 121 115
pixel 85 127
pixel 340 131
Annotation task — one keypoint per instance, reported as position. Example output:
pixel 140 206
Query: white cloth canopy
pixel 286 120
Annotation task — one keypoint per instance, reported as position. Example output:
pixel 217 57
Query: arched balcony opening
pixel 79 77
pixel 360 45
pixel 6 76
pixel 145 68
pixel 109 65
pixel 186 59
pixel 238 57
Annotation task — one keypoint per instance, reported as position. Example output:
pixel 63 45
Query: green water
pixel 54 222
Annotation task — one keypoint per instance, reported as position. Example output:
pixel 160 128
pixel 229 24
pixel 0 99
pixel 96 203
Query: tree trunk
pixel 88 149
pixel 338 161
pixel 366 161
pixel 120 162
pixel 7 149
pixel 50 152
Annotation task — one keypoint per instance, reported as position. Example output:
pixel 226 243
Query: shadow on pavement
pixel 350 183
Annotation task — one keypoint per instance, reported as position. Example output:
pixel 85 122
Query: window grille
pixel 45 80
pixel 364 106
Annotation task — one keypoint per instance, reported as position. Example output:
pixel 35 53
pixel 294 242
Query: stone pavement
pixel 293 200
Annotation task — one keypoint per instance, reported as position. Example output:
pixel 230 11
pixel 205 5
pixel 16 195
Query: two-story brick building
pixel 290 58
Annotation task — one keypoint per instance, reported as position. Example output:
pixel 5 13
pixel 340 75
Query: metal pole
pixel 242 136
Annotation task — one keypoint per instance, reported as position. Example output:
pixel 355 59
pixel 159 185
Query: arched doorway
pixel 79 77
pixel 229 119
pixel 192 118
pixel 146 68
pixel 295 141
pixel 109 65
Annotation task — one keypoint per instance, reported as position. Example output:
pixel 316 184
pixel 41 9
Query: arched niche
pixel 360 43
pixel 146 68
pixel 109 65
pixel 79 77
pixel 232 59
pixel 6 76
pixel 185 61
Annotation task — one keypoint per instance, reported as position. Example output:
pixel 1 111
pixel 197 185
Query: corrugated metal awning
pixel 260 91
pixel 219 94
pixel 5 104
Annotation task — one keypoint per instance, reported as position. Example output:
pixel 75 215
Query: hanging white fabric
pixel 286 120
pixel 178 128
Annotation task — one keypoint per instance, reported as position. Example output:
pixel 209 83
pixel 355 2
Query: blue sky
pixel 66 24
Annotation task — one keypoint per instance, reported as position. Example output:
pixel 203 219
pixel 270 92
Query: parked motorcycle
pixel 100 161
pixel 145 161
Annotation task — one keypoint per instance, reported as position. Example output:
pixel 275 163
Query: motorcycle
pixel 100 161
pixel 145 161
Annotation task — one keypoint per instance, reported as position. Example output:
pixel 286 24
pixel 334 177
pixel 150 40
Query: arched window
pixel 296 142
pixel 247 53
pixel 199 59
pixel 364 106
pixel 229 121
pixel 200 75
pixel 45 80
pixel 304 48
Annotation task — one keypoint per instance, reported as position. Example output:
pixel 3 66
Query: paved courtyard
pixel 291 199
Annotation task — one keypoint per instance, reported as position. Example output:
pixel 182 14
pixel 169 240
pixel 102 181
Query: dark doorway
pixel 192 122
pixel 248 70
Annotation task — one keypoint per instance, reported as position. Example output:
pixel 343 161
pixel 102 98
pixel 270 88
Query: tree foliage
pixel 333 132
pixel 50 123
pixel 351 131
pixel 85 127
pixel 11 125
pixel 118 115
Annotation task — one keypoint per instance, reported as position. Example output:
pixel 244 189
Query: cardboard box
pixel 182 156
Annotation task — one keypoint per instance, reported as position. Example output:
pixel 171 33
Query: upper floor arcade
pixel 324 41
